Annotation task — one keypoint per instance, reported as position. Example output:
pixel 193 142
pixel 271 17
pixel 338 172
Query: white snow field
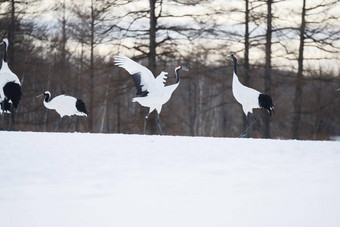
pixel 115 180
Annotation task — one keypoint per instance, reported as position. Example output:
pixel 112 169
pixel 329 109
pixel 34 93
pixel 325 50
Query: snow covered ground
pixel 106 180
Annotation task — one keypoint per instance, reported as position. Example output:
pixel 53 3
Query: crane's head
pixel 5 41
pixel 47 95
pixel 180 67
pixel 233 57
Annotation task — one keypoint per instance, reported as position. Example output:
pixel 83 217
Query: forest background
pixel 287 49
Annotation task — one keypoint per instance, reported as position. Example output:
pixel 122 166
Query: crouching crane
pixel 65 106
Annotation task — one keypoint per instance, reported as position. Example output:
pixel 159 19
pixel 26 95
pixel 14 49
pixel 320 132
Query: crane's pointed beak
pixel 185 69
pixel 39 96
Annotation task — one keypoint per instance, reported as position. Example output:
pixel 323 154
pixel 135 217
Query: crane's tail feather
pixel 5 106
pixel 80 105
pixel 265 101
pixel 12 91
pixel 80 114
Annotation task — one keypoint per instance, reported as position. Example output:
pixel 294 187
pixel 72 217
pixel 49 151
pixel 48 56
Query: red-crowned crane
pixel 249 98
pixel 65 106
pixel 152 91
pixel 10 88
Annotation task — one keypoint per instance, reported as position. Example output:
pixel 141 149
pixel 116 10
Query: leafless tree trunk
pixel 152 55
pixel 246 48
pixel 152 36
pixel 299 78
pixel 268 66
pixel 91 109
pixel 11 35
pixel 246 44
pixel 64 37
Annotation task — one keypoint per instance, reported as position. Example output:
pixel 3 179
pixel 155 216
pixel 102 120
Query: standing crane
pixel 151 91
pixel 65 106
pixel 10 88
pixel 249 98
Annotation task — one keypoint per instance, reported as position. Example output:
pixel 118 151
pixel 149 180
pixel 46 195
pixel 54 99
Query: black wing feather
pixel 265 101
pixel 12 91
pixel 80 105
pixel 137 79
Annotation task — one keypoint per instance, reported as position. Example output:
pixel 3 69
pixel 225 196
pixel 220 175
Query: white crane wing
pixel 142 76
pixel 64 105
pixel 161 79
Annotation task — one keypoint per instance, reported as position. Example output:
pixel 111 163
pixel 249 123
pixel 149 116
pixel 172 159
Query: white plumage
pixel 6 75
pixel 65 105
pixel 249 98
pixel 246 96
pixel 153 93
pixel 158 95
pixel 10 87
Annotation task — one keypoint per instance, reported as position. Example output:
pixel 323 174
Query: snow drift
pixel 82 179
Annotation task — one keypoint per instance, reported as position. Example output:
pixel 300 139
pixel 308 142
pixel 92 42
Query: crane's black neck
pixel 47 97
pixel 235 63
pixel 177 75
pixel 5 52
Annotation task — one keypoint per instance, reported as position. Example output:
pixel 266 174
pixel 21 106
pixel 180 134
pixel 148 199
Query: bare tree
pixel 268 65
pixel 298 91
pixel 90 30
pixel 82 42
pixel 316 33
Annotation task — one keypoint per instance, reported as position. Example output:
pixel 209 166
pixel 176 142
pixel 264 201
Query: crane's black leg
pixel 253 121
pixel 254 117
pixel 10 116
pixel 244 134
pixel 145 120
pixel 56 128
pixel 159 125
pixel 74 124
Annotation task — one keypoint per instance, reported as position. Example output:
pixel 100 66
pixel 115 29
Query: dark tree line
pixel 287 52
